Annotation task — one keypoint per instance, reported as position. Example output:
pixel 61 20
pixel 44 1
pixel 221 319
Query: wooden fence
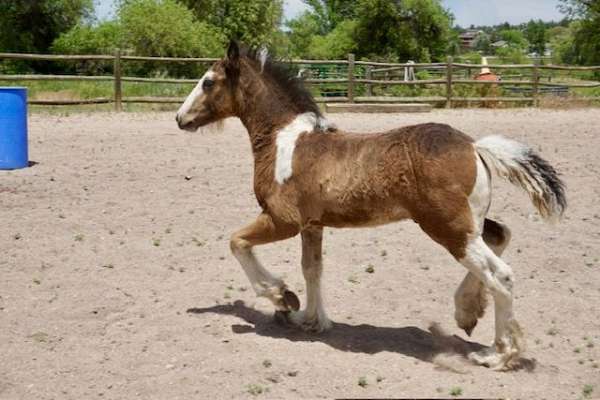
pixel 448 79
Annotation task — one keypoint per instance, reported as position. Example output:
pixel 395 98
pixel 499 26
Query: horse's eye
pixel 207 84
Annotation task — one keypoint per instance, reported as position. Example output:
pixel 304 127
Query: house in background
pixel 467 38
pixel 500 44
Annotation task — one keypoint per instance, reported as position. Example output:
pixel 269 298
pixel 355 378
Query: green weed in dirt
pixel 362 382
pixel 255 389
pixel 587 391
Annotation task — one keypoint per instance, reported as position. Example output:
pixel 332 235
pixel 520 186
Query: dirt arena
pixel 117 282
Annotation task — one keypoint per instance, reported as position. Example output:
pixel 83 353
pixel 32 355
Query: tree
pixel 32 26
pixel 412 29
pixel 535 32
pixel 103 38
pixel 167 28
pixel 430 23
pixel 382 30
pixel 454 45
pixel 514 38
pixel 336 44
pixel 580 8
pixel 561 41
pixel 511 55
pixel 253 22
pixel 482 43
pixel 585 28
pixel 302 31
pixel 329 13
pixel 163 28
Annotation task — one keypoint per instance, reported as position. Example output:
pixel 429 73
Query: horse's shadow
pixel 410 341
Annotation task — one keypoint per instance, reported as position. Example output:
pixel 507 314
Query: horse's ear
pixel 232 64
pixel 263 56
pixel 233 51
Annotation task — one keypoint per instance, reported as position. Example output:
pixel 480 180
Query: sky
pixel 466 12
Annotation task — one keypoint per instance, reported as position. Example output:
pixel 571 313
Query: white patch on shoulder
pixel 197 92
pixel 286 143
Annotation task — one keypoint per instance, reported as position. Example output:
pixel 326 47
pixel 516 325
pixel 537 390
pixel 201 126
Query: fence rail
pixel 446 72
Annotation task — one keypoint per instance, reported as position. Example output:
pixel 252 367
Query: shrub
pixel 336 44
pixel 86 39
pixel 162 28
pixel 511 55
pixel 166 28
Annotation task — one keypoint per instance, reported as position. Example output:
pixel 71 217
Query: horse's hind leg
pixel 313 317
pixel 264 230
pixel 470 298
pixel 497 276
pixel 496 235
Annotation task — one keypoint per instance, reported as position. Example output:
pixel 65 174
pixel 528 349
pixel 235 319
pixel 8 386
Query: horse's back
pixel 386 176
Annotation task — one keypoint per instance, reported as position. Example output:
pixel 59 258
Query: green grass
pixel 71 90
pixel 362 382
pixel 456 391
pixel 255 389
pixel 75 90
pixel 587 391
pixel 89 90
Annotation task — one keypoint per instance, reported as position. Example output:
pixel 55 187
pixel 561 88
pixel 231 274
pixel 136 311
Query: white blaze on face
pixel 195 94
pixel 286 142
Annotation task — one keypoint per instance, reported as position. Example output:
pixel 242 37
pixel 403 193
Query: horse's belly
pixel 363 217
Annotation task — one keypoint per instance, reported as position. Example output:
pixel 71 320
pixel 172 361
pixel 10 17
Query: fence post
pixel 449 82
pixel 369 75
pixel 118 88
pixel 535 78
pixel 351 78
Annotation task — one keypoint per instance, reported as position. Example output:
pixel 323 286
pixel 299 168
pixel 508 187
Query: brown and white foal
pixel 309 175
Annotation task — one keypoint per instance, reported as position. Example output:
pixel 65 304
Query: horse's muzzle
pixel 186 126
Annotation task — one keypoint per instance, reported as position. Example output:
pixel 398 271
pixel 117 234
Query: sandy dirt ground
pixel 116 279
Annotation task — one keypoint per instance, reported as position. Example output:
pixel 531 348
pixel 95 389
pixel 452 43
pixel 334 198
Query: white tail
pixel 524 168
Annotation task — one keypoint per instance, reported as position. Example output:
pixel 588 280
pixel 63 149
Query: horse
pixel 308 175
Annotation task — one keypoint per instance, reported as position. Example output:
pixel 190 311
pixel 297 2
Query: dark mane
pixel 284 75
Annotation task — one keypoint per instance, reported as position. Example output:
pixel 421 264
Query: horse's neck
pixel 263 116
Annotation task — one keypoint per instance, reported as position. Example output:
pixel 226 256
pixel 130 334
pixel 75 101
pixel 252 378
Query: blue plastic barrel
pixel 13 128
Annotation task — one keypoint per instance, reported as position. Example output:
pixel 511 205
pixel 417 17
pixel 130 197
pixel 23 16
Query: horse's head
pixel 213 98
pixel 250 85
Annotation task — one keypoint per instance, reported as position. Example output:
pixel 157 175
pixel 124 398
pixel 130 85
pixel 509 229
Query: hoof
pixel 297 320
pixel 283 299
pixel 290 300
pixel 492 359
pixel 466 322
pixel 469 329
pixel 488 358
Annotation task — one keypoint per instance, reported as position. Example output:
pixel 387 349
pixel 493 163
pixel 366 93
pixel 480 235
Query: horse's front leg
pixel 264 230
pixel 313 317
